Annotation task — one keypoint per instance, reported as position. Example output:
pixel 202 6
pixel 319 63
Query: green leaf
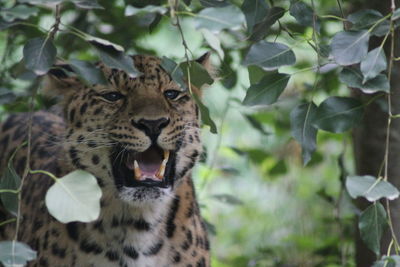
pixel 205 115
pixel 213 42
pixel 131 10
pixel 353 78
pixel 214 3
pixel 279 168
pixel 391 261
pixel 304 15
pixel 39 55
pixel 87 4
pixel 88 72
pixel 396 14
pixel 372 223
pixel 217 19
pixel 267 91
pixel 18 12
pixel 198 74
pixel 10 181
pixel 256 124
pixel 365 19
pixel 370 188
pixel 227 198
pixel 114 58
pixel 302 130
pixel 6 96
pixel 74 197
pixel 338 114
pixel 13 253
pixel 373 63
pixel 96 41
pixel 254 12
pixel 174 71
pixel 261 29
pixel 350 47
pixel 269 56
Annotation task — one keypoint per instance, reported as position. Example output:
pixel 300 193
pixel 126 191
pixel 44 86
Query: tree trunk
pixel 369 142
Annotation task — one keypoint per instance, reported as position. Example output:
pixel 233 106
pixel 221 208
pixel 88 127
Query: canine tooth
pixel 138 172
pixel 161 171
pixel 166 155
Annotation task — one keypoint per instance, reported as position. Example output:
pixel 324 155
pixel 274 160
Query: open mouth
pixel 152 167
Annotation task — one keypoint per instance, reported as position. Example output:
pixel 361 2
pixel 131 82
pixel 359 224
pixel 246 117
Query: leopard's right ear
pixel 60 80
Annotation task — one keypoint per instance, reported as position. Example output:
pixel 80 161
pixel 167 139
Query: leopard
pixel 140 138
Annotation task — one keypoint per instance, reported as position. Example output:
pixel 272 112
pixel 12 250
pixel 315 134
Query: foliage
pixel 280 65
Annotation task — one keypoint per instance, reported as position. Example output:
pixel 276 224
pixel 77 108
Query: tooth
pixel 166 155
pixel 138 172
pixel 161 171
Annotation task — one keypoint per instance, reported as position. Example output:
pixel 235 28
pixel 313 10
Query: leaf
pixel 353 78
pixel 391 261
pixel 370 188
pixel 131 10
pixel 116 59
pixel 198 74
pixel 87 4
pixel 205 115
pixel 227 198
pixel 371 224
pixel 74 197
pixel 269 56
pixel 302 130
pixel 267 91
pixel 254 12
pixel 39 55
pixel 174 71
pixel 6 96
pixel 365 19
pixel 217 19
pixel 373 63
pixel 102 43
pixel 13 253
pixel 338 114
pixel 214 3
pixel 213 42
pixel 261 29
pixel 88 72
pixel 18 12
pixel 304 15
pixel 10 181
pixel 396 14
pixel 256 124
pixel 350 47
pixel 279 168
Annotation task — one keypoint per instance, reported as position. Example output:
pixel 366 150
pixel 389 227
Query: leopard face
pixel 138 136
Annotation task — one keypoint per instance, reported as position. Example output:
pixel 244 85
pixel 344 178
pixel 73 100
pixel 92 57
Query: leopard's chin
pixel 148 170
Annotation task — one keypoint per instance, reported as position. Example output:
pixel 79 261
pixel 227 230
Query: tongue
pixel 149 161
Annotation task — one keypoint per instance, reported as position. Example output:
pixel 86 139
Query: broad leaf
pixel 205 115
pixel 365 19
pixel 269 56
pixel 213 42
pixel 217 19
pixel 116 59
pixel 74 197
pixel 14 253
pixel 6 96
pixel 302 130
pixel 267 91
pixel 261 29
pixel 214 3
pixel 96 41
pixel 396 14
pixel 350 47
pixel 304 15
pixel 174 71
pixel 338 114
pixel 39 55
pixel 372 223
pixel 10 181
pixel 373 63
pixel 254 11
pixel 131 10
pixel 353 78
pixel 87 4
pixel 88 72
pixel 391 261
pixel 256 124
pixel 227 198
pixel 18 12
pixel 370 188
pixel 198 74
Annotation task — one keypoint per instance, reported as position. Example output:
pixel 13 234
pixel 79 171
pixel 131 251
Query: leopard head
pixel 138 136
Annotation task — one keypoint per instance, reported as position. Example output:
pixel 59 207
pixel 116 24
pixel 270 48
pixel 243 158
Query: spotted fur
pixel 137 226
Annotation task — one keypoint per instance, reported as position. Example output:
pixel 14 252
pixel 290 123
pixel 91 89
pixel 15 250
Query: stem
pixel 7 221
pixel 56 25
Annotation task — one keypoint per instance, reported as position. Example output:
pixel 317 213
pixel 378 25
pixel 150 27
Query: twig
pixel 56 25
pixel 174 8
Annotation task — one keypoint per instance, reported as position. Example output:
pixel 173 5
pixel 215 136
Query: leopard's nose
pixel 152 128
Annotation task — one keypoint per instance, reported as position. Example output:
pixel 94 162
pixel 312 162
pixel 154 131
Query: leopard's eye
pixel 112 96
pixel 171 94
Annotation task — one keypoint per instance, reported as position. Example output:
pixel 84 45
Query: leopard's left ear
pixel 206 62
